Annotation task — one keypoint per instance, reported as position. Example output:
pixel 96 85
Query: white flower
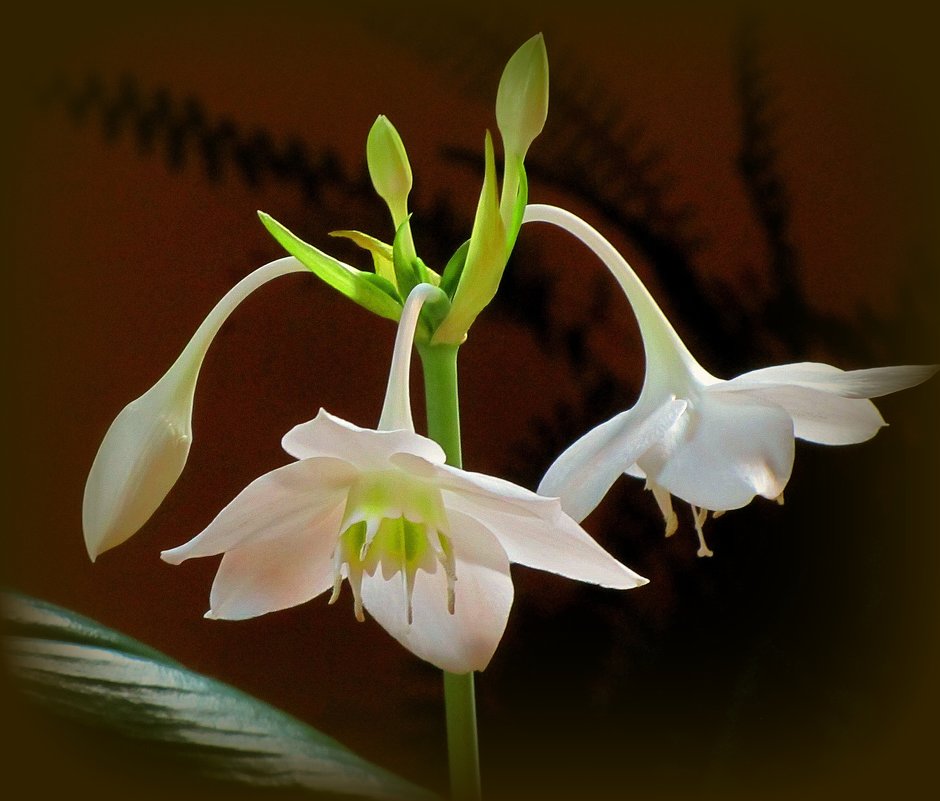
pixel 424 546
pixel 712 443
pixel 144 451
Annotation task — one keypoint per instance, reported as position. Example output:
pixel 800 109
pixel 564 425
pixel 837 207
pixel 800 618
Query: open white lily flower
pixel 425 547
pixel 712 443
pixel 145 449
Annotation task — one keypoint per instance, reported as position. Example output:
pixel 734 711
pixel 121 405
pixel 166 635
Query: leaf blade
pixel 83 671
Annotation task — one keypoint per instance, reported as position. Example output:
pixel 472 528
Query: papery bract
pixel 712 443
pixel 145 449
pixel 425 547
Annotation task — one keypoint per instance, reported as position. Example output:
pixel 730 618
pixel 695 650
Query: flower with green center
pixel 145 449
pixel 712 443
pixel 425 547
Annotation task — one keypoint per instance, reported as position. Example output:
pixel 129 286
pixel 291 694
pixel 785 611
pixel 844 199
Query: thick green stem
pixel 440 390
pixel 464 756
pixel 443 417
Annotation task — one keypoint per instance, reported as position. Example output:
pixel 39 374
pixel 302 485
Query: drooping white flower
pixel 425 547
pixel 712 443
pixel 145 449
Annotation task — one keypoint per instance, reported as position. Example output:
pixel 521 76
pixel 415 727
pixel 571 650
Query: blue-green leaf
pixel 81 670
pixel 343 278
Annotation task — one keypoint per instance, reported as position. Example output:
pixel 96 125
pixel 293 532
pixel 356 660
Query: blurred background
pixel 772 177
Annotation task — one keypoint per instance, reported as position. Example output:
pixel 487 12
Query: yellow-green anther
pixel 486 259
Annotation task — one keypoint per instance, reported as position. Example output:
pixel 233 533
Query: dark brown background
pixel 799 661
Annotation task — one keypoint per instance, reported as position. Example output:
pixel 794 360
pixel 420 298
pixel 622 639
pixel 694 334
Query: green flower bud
pixel 522 98
pixel 389 168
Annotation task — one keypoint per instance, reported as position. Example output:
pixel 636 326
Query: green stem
pixel 464 756
pixel 443 417
pixel 440 390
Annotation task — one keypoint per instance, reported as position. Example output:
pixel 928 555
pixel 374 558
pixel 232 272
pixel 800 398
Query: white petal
pixel 821 416
pixel 265 576
pixel 723 452
pixel 277 504
pixel 459 642
pixel 871 383
pixel 534 531
pixel 368 449
pixel 138 462
pixel 584 473
pixel 496 492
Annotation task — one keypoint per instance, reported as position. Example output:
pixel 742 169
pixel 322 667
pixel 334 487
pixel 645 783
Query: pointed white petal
pixel 542 536
pixel 368 449
pixel 635 471
pixel 531 528
pixel 820 416
pixel 287 499
pixel 458 642
pixel 870 383
pixel 139 460
pixel 265 576
pixel 584 473
pixel 723 452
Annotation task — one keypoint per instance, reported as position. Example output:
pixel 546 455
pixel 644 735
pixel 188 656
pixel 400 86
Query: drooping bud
pixel 145 449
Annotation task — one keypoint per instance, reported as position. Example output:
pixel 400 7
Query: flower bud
pixel 522 98
pixel 144 451
pixel 389 167
pixel 139 461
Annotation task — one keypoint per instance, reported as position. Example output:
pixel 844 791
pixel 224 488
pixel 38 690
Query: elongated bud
pixel 389 168
pixel 522 98
pixel 145 449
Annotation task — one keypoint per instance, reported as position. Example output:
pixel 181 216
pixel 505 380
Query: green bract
pixel 472 275
pixel 381 252
pixel 369 290
pixel 486 258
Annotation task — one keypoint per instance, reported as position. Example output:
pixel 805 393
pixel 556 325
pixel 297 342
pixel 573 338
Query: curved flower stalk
pixel 145 449
pixel 712 443
pixel 425 547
